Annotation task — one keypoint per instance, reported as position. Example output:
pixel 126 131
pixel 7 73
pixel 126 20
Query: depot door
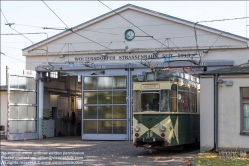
pixel 22 108
pixel 105 100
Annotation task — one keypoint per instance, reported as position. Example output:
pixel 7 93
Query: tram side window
pixel 183 101
pixel 192 102
pixel 173 96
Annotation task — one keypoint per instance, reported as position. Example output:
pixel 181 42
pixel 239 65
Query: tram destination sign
pixel 150 86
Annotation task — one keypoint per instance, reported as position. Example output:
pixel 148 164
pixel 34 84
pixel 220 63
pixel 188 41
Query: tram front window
pixel 150 101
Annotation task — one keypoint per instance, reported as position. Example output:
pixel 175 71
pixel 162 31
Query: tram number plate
pixel 148 140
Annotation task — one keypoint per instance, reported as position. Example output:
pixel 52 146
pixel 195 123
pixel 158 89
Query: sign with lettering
pixel 150 86
pixel 166 57
pixel 121 57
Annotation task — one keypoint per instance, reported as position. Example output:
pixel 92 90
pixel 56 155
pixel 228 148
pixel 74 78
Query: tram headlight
pixel 136 128
pixel 162 128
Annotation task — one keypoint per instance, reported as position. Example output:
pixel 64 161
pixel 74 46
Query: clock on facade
pixel 129 34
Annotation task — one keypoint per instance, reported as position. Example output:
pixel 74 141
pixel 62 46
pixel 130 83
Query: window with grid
pixel 245 110
pixel 54 74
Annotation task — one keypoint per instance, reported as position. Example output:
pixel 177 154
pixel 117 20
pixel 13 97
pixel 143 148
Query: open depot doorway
pixel 62 112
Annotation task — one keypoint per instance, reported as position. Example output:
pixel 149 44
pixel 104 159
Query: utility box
pixel 228 83
pixel 49 128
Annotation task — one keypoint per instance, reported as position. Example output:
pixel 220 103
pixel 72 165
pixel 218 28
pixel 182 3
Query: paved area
pixel 74 151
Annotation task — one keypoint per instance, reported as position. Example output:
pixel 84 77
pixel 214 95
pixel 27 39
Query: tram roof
pixel 237 69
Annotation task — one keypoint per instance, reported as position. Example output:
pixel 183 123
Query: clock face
pixel 129 34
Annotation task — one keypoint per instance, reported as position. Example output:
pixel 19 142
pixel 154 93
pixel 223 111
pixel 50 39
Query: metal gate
pixel 107 105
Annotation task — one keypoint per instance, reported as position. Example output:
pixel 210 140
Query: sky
pixel 32 16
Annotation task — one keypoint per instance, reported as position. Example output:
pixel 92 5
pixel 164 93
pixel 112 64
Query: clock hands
pixel 129 34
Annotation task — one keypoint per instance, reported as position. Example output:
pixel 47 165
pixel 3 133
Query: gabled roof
pixel 238 69
pixel 130 6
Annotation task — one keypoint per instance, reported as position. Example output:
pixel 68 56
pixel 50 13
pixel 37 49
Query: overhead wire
pixel 135 26
pixel 55 13
pixel 108 45
pixel 105 28
pixel 22 33
pixel 195 33
pixel 33 26
pixel 163 43
pixel 104 32
pixel 9 24
pixel 70 29
pixel 122 35
pixel 227 19
pixel 73 47
pixel 13 28
pixel 178 48
pixel 59 52
pixel 37 33
pixel 4 16
pixel 130 52
pixel 134 40
pixel 131 23
pixel 210 47
pixel 91 40
pixel 17 59
pixel 175 45
pixel 98 32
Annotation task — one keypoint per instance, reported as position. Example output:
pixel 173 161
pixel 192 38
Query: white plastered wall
pixel 207 113
pixel 229 111
pixel 239 56
pixel 181 35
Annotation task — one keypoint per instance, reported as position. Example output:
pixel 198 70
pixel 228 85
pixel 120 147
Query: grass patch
pixel 213 159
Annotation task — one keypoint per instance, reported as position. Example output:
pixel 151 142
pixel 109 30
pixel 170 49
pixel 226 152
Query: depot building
pixel 79 82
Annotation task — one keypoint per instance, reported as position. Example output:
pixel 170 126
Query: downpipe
pixel 216 112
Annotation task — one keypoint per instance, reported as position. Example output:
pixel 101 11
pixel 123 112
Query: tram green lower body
pixel 181 129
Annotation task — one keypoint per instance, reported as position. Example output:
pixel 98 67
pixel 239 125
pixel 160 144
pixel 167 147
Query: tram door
pixel 105 101
pixel 22 107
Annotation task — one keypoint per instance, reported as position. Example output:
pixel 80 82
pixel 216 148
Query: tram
pixel 165 109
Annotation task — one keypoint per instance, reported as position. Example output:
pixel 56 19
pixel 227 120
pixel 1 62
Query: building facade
pixel 225 108
pixel 89 69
